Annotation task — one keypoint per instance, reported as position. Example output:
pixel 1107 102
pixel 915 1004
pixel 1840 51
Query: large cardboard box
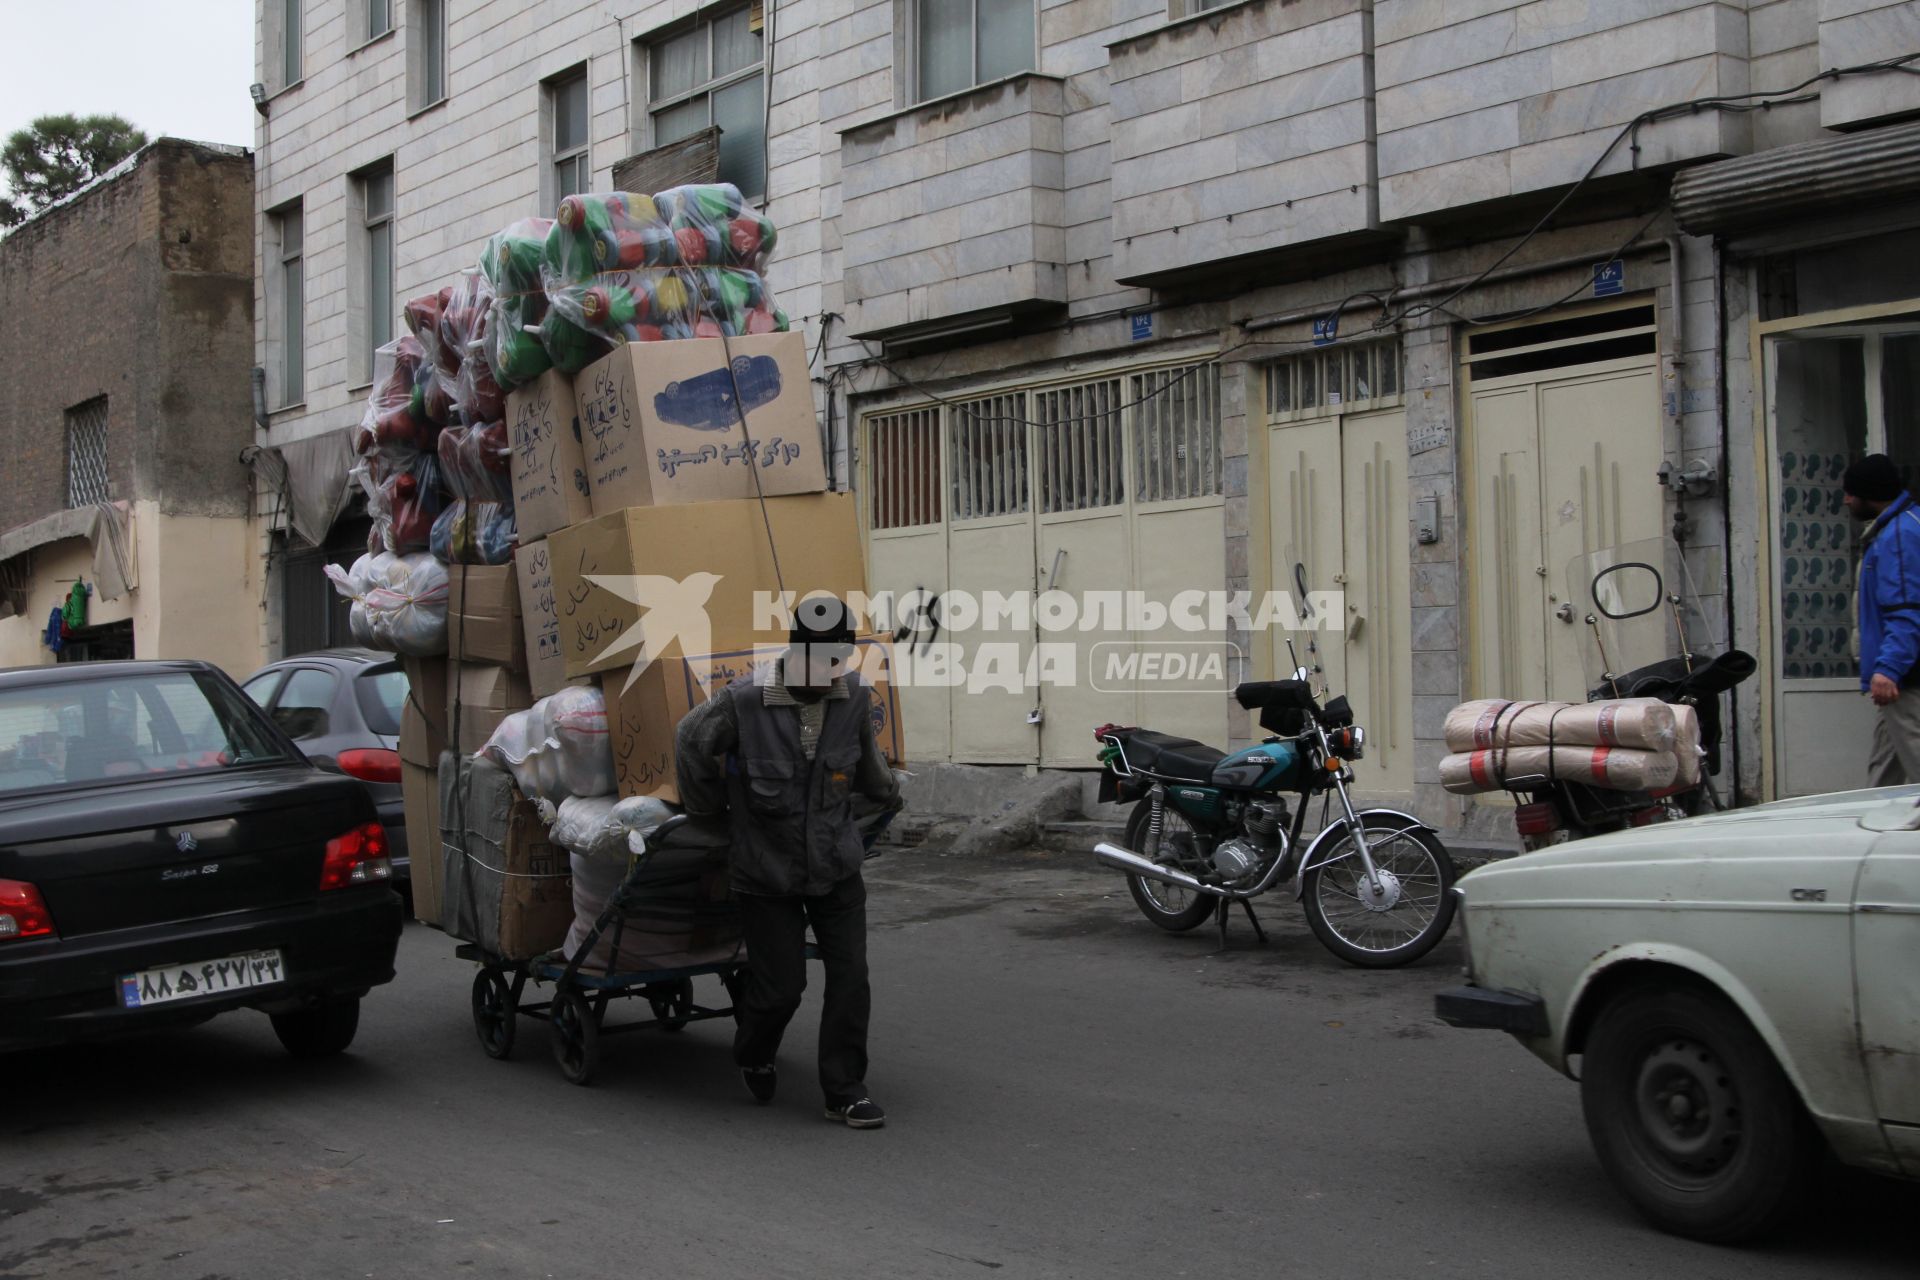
pixel 549 465
pixel 423 722
pixel 642 718
pixel 660 421
pixel 540 618
pixel 482 696
pixel 503 884
pixel 700 562
pixel 420 793
pixel 483 615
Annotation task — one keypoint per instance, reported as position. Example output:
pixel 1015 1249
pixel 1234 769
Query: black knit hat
pixel 821 620
pixel 1874 478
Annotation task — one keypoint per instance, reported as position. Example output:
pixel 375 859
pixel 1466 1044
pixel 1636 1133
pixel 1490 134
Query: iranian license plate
pixel 201 978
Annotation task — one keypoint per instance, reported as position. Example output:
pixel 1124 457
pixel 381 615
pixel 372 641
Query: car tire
pixel 321 1030
pixel 1692 1117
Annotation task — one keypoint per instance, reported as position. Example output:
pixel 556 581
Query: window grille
pixel 1337 378
pixel 1078 437
pixel 87 453
pixel 1176 433
pixel 990 456
pixel 904 450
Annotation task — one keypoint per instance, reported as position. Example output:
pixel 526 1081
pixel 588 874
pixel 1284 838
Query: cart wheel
pixel 494 1018
pixel 673 1007
pixel 576 1036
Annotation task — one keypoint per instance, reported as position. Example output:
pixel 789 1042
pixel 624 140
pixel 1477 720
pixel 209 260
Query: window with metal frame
pixel 709 74
pixel 988 459
pixel 567 103
pixel 87 475
pixel 1078 436
pixel 1340 378
pixel 376 201
pixel 903 455
pixel 292 309
pixel 292 21
pixel 379 18
pixel 962 43
pixel 1176 433
pixel 426 53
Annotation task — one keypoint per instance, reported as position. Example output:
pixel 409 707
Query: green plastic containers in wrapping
pixel 511 263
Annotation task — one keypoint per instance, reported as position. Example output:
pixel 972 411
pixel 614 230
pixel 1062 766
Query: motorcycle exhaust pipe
pixel 1112 855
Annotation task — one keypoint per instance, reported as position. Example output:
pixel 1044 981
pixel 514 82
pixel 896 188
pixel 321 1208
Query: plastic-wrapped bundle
pixel 1644 724
pixel 463 327
pixel 476 462
pixel 474 533
pixel 601 826
pixel 559 748
pixel 401 601
pixel 406 502
pixel 397 423
pixel 686 263
pixel 1608 768
pixel 511 263
pixel 675 925
pixel 704 225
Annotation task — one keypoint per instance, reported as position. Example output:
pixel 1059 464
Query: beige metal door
pixel 1563 460
pixel 1339 522
pixel 907 558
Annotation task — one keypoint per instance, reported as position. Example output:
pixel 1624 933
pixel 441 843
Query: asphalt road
pixel 1071 1093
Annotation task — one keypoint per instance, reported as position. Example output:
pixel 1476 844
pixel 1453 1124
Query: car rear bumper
pixel 1479 1008
pixel 64 989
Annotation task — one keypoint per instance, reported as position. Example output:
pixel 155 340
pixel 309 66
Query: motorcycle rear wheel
pixel 1348 917
pixel 1168 905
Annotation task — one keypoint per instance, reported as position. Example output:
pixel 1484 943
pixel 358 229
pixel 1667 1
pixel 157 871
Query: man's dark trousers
pixel 776 936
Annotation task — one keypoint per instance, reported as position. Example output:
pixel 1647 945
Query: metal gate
pixel 1109 484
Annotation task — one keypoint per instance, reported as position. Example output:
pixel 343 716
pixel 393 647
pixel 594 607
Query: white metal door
pixel 1339 522
pixel 907 556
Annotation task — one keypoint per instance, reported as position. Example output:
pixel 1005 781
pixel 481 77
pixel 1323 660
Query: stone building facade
pixel 126 317
pixel 1379 297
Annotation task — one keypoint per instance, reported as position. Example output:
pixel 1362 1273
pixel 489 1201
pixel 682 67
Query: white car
pixel 1730 991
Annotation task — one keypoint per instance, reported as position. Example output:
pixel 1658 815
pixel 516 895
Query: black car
pixel 166 854
pixel 343 707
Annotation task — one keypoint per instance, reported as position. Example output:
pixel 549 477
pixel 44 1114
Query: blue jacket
pixel 1890 596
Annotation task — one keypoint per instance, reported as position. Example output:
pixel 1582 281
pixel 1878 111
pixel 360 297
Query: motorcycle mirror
pixel 1627 590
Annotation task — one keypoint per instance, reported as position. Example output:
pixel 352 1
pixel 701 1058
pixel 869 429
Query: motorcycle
pixel 1209 830
pixel 1626 597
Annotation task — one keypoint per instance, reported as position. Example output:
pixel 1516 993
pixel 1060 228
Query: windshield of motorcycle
pixel 1631 605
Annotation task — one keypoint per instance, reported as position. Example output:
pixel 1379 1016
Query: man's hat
pixel 1874 478
pixel 821 620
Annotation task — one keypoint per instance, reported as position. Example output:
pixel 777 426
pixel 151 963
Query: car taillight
pixel 370 764
pixel 1536 819
pixel 358 857
pixel 23 914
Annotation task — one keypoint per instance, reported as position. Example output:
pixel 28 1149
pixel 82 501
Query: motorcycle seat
pixel 1171 757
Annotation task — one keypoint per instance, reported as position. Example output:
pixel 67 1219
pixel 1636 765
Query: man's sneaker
pixel 760 1082
pixel 864 1114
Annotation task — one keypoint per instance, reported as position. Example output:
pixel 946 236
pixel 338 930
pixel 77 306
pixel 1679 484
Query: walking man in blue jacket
pixel 1889 596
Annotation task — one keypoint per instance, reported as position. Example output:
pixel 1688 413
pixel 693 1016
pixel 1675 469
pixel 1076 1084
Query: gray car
pixel 342 706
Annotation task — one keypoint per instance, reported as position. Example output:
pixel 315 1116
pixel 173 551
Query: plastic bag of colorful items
pixel 464 320
pixel 397 423
pixel 422 316
pixel 404 498
pixel 686 263
pixel 399 602
pixel 478 526
pixel 511 264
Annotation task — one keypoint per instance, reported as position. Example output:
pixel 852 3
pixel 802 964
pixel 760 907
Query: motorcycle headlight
pixel 1349 743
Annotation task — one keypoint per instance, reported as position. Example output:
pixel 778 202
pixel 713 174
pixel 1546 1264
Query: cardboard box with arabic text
pixel 659 581
pixel 549 463
pixel 661 422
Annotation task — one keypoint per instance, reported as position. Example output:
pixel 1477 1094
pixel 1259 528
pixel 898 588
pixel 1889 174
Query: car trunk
pixel 179 848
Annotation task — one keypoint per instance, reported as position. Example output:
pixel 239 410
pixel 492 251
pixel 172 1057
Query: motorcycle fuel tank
pixel 1267 766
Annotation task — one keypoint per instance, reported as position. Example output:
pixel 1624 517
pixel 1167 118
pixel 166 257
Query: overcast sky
pixel 178 68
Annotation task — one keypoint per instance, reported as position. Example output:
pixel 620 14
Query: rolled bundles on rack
pixel 1643 724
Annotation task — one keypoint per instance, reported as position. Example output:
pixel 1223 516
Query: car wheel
pixel 1691 1116
pixel 321 1030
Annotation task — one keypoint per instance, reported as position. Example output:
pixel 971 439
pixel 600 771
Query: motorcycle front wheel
pixel 1384 925
pixel 1168 905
